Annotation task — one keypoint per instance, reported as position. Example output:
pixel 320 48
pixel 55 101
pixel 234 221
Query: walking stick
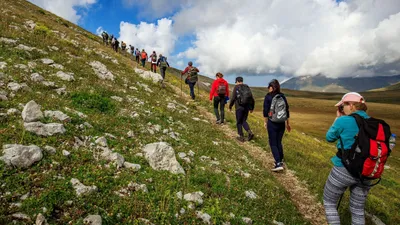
pixel 181 84
pixel 198 90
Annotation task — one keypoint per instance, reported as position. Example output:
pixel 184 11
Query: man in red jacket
pixel 220 91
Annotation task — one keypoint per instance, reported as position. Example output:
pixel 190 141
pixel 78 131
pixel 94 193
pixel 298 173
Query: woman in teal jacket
pixel 345 127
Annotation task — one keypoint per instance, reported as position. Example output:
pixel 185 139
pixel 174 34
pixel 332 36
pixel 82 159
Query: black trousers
pixel 219 100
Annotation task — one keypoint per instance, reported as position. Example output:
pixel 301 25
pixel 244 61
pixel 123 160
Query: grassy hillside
pixel 220 168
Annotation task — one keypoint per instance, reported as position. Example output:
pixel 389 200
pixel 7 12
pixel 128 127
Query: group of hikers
pixel 140 56
pixel 357 134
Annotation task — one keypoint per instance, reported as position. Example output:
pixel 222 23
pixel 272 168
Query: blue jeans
pixel 191 86
pixel 275 135
pixel 143 62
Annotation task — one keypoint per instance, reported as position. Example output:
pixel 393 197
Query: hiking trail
pixel 305 202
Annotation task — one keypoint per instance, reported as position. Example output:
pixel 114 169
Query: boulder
pixel 42 129
pixel 31 112
pixel 16 87
pixel 161 156
pixel 35 77
pixel 47 61
pixel 65 76
pixel 111 156
pixel 57 115
pixel 203 216
pixel 81 189
pixel 101 71
pixel 21 156
pixel 148 75
pixel 195 197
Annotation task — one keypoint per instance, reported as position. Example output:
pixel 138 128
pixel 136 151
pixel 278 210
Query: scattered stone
pixel 66 153
pixel 116 98
pixel 195 197
pixel 24 48
pixel 148 75
pixel 13 111
pixel 53 48
pixel 88 125
pixel 277 223
pixel 179 195
pixel 65 76
pixel 203 216
pixel 30 24
pixel 102 141
pixel 247 220
pixel 16 87
pixel 171 106
pixel 130 134
pixel 61 91
pixel 35 77
pixel 93 220
pixel 21 156
pixel 21 66
pixel 50 150
pixel 134 167
pixel 3 65
pixel 139 154
pixel 57 115
pixel 161 156
pixel 146 221
pixel 41 220
pixel 3 117
pixel 81 189
pixel 25 196
pixel 110 136
pixel 21 216
pixel 42 129
pixel 49 84
pixel 32 65
pixel 7 40
pixel 31 112
pixel 57 66
pixel 232 215
pixel 47 61
pixel 101 71
pixel 251 194
pixel 3 98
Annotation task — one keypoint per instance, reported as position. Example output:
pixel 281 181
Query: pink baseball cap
pixel 351 97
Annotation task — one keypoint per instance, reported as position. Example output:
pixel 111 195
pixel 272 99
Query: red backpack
pixel 221 89
pixel 367 157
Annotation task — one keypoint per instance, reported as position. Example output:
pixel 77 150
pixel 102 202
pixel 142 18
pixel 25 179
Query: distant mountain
pixel 321 83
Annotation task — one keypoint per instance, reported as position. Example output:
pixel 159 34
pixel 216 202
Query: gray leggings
pixel 338 181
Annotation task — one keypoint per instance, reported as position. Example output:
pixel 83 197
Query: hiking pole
pixel 340 199
pixel 181 84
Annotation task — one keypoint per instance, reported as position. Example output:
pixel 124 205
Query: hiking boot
pixel 218 122
pixel 240 138
pixel 278 167
pixel 250 137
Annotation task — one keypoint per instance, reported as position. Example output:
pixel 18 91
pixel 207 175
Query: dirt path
pixel 305 202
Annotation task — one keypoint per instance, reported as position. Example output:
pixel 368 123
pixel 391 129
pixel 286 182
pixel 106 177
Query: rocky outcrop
pixel 21 156
pixel 42 129
pixel 31 112
pixel 161 156
pixel 81 189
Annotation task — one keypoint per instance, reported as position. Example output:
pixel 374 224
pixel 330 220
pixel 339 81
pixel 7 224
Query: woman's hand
pixel 339 113
pixel 288 128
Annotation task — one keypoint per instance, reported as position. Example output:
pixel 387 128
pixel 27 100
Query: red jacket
pixel 215 85
pixel 187 70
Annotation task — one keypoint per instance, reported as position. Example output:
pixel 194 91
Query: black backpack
pixel 193 76
pixel 244 95
pixel 367 157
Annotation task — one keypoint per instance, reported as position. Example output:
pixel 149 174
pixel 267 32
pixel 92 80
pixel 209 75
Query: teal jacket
pixel 346 128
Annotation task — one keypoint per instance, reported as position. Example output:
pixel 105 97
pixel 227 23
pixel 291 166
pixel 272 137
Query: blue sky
pixel 262 40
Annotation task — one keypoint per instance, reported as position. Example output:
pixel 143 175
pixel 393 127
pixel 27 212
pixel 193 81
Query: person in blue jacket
pixel 345 127
pixel 275 130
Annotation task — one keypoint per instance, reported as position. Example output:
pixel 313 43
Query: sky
pixel 258 39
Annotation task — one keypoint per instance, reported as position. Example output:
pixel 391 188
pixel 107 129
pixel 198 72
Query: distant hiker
pixel 163 64
pixel 104 35
pixel 351 121
pixel 244 103
pixel 276 115
pixel 153 66
pixel 137 54
pixel 144 57
pixel 123 46
pixel 132 50
pixel 192 77
pixel 113 42
pixel 219 91
pixel 116 45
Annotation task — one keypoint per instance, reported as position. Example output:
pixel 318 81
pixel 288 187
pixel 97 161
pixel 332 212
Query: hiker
pixel 219 90
pixel 276 115
pixel 113 42
pixel 163 64
pixel 132 48
pixel 123 46
pixel 104 35
pixel 244 102
pixel 137 54
pixel 192 77
pixel 144 57
pixel 153 66
pixel 345 128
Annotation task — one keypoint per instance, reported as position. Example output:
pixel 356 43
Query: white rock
pixel 101 71
pixel 3 98
pixel 16 87
pixel 171 106
pixel 47 61
pixel 130 134
pixel 195 197
pixel 161 156
pixel 3 65
pixel 179 195
pixel 277 223
pixel 7 40
pixel 35 77
pixel 32 65
pixel 81 189
pixel 191 153
pixel 42 129
pixel 65 76
pixel 30 24
pixel 21 216
pixel 61 91
pixel 49 84
pixel 50 150
pixel 21 66
pixel 251 194
pixel 21 156
pixel 24 48
pixel 247 220
pixel 57 66
pixel 13 111
pixel 40 220
pixel 31 112
pixel 114 157
pixel 148 75
pixel 134 167
pixel 203 216
pixel 138 187
pixel 57 115
pixel 116 98
pixel 93 220
pixel 66 153
pixel 102 141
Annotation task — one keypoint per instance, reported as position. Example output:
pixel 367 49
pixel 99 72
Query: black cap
pixel 239 79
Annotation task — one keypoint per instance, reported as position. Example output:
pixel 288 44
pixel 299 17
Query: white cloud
pixel 64 8
pixel 158 37
pixel 305 37
pixel 99 31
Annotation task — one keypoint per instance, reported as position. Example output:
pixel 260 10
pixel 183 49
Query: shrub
pixel 92 102
pixel 42 30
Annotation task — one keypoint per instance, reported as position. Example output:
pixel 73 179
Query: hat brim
pixel 339 103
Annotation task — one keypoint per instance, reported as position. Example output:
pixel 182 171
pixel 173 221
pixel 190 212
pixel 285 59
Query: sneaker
pixel 250 137
pixel 278 167
pixel 218 122
pixel 240 138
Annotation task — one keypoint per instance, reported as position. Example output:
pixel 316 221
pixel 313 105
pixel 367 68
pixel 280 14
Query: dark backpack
pixel 244 95
pixel 278 110
pixel 221 90
pixel 367 157
pixel 163 62
pixel 193 76
pixel 154 58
